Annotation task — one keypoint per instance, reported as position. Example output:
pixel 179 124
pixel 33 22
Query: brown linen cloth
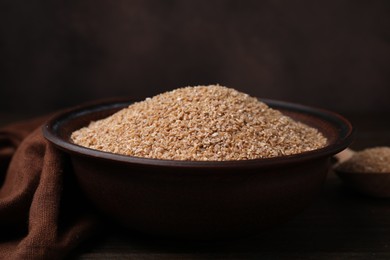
pixel 42 213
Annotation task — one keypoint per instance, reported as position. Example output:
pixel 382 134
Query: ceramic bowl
pixel 375 185
pixel 199 199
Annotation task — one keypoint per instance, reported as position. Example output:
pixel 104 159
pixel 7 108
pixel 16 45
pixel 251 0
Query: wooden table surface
pixel 340 224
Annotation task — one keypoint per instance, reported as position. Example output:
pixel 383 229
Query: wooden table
pixel 340 224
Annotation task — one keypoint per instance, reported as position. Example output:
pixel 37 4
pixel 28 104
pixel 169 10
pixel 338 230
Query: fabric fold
pixel 43 214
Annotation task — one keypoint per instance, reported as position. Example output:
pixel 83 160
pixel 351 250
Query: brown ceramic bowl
pixel 194 199
pixel 372 184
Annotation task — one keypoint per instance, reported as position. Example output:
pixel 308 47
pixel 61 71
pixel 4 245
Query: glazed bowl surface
pixel 199 199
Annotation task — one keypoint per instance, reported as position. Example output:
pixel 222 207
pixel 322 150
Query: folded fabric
pixel 43 214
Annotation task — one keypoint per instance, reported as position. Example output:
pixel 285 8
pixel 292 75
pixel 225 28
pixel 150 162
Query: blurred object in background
pixel 330 54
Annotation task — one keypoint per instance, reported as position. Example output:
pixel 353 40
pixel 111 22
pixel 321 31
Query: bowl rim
pixel 345 137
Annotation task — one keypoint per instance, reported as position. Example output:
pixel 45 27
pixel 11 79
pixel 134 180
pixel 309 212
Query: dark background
pixel 330 54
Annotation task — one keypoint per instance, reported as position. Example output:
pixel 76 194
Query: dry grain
pixel 371 160
pixel 203 123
